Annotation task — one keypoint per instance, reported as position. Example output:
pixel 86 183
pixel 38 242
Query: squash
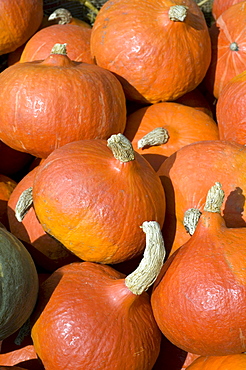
pixel 230 110
pixel 56 103
pixel 199 300
pixel 198 100
pixel 19 20
pixel 7 186
pixel 19 284
pixel 187 176
pixel 46 251
pixel 159 50
pixel 159 130
pixel 228 56
pixel 77 41
pixel 219 6
pixel 94 317
pixel 102 191
pixel 230 362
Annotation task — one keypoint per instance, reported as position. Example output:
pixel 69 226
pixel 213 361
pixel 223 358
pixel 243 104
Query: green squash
pixel 18 284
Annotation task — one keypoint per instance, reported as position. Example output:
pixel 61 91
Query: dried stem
pixel 149 268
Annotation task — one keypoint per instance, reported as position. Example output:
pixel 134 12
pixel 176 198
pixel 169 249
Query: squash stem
pixel 149 268
pixel 121 147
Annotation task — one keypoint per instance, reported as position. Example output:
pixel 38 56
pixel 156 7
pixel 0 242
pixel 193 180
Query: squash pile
pixel 122 185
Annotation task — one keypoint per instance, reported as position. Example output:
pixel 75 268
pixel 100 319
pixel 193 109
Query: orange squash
pixel 77 39
pixel 219 6
pixel 94 317
pixel 196 99
pixel 230 362
pixel 159 130
pixel 19 20
pixel 187 176
pixel 230 110
pixel 102 191
pixel 199 301
pixel 7 186
pixel 46 251
pixel 58 101
pixel 159 50
pixel 228 48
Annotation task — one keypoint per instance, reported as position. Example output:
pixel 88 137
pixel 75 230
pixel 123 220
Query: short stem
pixel 62 15
pixel 158 136
pixel 215 198
pixel 177 13
pixel 24 203
pixel 149 268
pixel 59 49
pixel 121 147
pixel 234 46
pixel 191 219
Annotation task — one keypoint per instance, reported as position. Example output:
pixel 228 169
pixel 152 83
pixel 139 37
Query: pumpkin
pixel 64 16
pixel 159 130
pixel 230 362
pixel 77 39
pixel 18 22
pixel 25 356
pixel 46 252
pixel 7 186
pixel 106 316
pixel 228 56
pixel 199 301
pixel 187 176
pixel 230 110
pixel 196 99
pixel 159 50
pixel 102 191
pixel 19 284
pixel 219 6
pixel 56 103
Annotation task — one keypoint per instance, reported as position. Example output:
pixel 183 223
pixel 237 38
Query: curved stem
pixel 149 268
pixel 24 203
pixel 62 15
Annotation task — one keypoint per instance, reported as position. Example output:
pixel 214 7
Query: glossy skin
pixel 231 112
pixel 76 37
pixel 185 125
pixel 155 58
pixel 199 301
pixel 226 63
pixel 95 204
pixel 91 320
pixel 19 20
pixel 232 362
pixel 188 174
pixel 45 250
pixel 56 101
